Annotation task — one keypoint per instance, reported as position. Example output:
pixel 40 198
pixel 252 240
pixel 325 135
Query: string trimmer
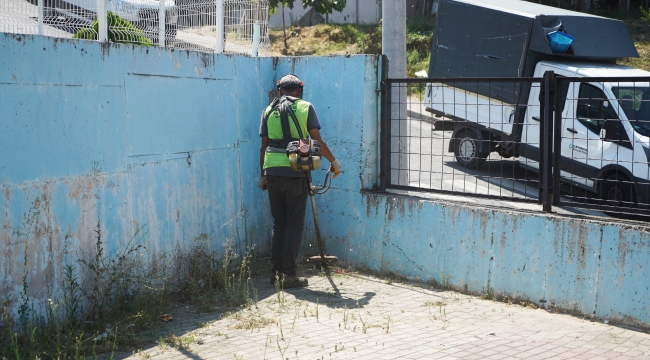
pixel 304 155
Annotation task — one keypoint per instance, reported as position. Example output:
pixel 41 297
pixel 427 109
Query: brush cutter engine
pixel 304 155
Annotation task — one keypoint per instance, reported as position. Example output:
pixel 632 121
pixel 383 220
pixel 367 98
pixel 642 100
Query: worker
pixel 288 189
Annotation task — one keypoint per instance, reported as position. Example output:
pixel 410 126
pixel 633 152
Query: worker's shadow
pixel 334 299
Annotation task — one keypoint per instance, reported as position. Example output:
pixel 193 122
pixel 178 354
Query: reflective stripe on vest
pixel 274 127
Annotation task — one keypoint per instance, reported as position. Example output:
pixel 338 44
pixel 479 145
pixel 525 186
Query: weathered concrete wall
pixel 129 140
pixel 590 267
pixel 143 144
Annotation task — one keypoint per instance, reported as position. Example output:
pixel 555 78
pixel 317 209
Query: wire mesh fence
pixel 182 24
pixel 244 19
pixel 602 148
pixel 245 23
pixel 27 17
pixel 576 142
pixel 443 137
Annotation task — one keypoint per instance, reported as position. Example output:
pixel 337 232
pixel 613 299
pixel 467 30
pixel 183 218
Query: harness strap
pixel 284 106
pixel 295 121
pixel 273 149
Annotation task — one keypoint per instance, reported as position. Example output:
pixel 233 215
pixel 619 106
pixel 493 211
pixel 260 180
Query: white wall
pixel 356 11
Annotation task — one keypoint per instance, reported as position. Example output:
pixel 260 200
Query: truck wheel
pixel 616 190
pixel 466 150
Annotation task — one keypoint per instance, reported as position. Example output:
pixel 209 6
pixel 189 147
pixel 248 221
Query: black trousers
pixel 288 197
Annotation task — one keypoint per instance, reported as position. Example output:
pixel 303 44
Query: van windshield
pixel 635 102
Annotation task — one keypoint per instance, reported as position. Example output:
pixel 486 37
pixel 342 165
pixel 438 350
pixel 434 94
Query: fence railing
pixel 560 141
pixel 214 26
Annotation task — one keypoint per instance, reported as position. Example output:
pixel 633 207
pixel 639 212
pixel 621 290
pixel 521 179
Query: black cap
pixel 290 81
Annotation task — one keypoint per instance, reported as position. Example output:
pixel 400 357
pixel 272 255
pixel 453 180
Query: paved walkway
pixel 350 316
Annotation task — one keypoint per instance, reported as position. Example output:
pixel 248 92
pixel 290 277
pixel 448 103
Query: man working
pixel 287 188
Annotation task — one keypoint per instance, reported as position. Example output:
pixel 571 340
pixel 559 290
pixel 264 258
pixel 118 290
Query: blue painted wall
pixel 143 143
pixel 166 141
pixel 589 267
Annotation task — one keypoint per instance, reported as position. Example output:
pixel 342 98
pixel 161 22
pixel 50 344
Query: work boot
pixel 294 282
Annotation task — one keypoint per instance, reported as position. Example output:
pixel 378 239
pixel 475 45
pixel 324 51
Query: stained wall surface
pixel 142 145
pixel 593 268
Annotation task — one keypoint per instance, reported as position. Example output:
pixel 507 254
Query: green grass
pixel 339 39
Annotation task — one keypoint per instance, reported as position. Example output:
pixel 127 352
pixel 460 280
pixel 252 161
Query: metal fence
pixel 213 26
pixel 559 141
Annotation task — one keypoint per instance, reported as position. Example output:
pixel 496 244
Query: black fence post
pixel 384 156
pixel 542 121
pixel 546 147
pixel 557 141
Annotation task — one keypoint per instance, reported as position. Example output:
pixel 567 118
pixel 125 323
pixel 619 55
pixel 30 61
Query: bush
pixel 119 31
pixel 419 34
pixel 369 40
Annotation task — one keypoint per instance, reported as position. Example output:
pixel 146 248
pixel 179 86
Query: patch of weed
pixel 177 342
pixel 251 321
pixel 111 299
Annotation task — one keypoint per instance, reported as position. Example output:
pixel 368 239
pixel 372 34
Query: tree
pixel 273 5
pixel 273 8
pixel 324 7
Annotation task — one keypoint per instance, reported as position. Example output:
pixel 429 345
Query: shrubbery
pixel 119 31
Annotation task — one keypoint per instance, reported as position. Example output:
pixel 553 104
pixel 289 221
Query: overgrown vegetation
pixel 327 39
pixel 110 300
pixel 339 39
pixel 419 35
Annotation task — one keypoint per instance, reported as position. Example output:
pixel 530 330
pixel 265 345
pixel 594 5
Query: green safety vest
pixel 275 155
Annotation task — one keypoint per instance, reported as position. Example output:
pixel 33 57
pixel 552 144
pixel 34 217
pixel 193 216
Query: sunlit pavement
pixel 351 316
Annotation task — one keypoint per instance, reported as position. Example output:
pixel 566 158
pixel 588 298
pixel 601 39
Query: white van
pixel 605 130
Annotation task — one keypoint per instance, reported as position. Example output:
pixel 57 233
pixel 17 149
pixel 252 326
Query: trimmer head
pixel 327 259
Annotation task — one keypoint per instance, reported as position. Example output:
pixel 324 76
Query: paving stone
pixel 458 327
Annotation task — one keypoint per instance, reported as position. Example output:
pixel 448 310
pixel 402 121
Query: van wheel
pixel 466 150
pixel 616 190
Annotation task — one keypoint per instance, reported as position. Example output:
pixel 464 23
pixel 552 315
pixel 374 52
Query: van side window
pixel 594 108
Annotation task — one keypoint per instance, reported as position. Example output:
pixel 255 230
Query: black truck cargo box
pixel 506 38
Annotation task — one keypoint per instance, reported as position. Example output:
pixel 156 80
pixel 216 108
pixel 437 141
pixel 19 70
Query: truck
pixel 605 125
